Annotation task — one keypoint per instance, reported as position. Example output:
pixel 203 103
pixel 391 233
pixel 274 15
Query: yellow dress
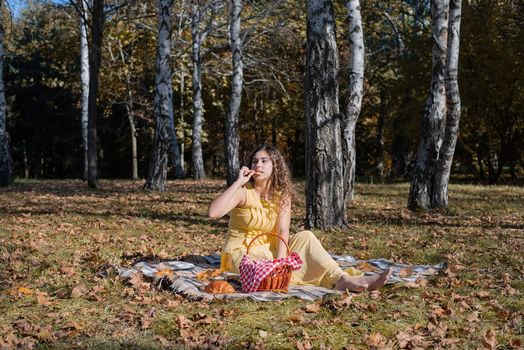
pixel 258 216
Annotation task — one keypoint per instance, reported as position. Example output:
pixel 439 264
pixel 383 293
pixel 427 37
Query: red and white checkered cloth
pixel 252 273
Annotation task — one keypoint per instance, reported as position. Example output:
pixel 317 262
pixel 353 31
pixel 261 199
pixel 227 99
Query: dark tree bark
pixel 95 56
pixel 441 179
pixel 164 122
pixel 232 137
pixel 434 116
pixel 6 164
pixel 380 136
pixel 256 120
pixel 324 164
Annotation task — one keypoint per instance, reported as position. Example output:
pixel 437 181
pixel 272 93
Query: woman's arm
pixel 283 222
pixel 232 197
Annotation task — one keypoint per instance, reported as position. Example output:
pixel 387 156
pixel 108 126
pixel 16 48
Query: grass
pixel 55 236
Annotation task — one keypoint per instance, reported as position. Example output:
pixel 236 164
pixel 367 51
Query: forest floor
pixel 55 236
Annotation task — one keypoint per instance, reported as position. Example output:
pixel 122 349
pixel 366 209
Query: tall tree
pixel 129 102
pixel 84 78
pixel 164 122
pixel 6 165
pixel 432 131
pixel 95 57
pixel 176 150
pixel 439 197
pixel 198 37
pixel 197 161
pixel 355 92
pixel 232 137
pixel 325 200
pixel 198 10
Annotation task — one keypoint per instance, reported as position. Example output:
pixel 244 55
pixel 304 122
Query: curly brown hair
pixel 281 186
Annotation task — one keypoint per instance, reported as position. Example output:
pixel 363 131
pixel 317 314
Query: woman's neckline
pixel 259 196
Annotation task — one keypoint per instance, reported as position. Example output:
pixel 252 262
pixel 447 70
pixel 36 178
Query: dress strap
pixel 249 195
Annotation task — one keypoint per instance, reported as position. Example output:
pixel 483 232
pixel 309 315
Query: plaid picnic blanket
pixel 182 277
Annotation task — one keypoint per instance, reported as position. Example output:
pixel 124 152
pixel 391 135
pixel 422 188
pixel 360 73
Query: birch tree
pixel 198 37
pixel 355 93
pixel 6 164
pixel 84 78
pixel 441 179
pixel 232 137
pixel 432 131
pixel 198 10
pixel 197 161
pixel 164 122
pixel 324 163
pixel 176 149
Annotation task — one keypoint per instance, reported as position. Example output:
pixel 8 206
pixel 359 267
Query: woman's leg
pixel 320 269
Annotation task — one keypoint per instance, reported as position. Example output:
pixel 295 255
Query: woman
pixel 260 201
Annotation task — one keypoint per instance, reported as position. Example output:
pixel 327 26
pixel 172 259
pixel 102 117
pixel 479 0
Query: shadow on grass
pixel 190 219
pixel 106 188
pixel 374 218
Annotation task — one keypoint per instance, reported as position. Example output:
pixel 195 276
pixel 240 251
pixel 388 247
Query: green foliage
pixel 41 86
pixel 42 79
pixel 492 86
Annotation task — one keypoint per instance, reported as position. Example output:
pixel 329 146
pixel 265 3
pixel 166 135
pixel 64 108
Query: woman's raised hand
pixel 231 197
pixel 244 175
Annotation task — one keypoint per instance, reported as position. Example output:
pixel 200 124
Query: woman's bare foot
pixel 361 284
pixel 379 280
pixel 353 284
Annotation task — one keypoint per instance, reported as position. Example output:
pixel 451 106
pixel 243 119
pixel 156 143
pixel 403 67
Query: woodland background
pixel 42 79
pixel 60 240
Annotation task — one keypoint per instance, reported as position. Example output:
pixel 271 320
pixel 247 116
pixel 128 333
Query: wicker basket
pixel 278 279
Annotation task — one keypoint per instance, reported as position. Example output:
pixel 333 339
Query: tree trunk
pixel 493 166
pixel 26 160
pixel 197 160
pixel 441 180
pixel 355 92
pixel 399 156
pixel 130 114
pixel 324 162
pixel 480 165
pixel 256 119
pixel 132 126
pixel 95 56
pixel 434 115
pixel 84 78
pixel 232 137
pixel 380 135
pixel 177 151
pixel 513 172
pixel 6 163
pixel 274 129
pixel 164 121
